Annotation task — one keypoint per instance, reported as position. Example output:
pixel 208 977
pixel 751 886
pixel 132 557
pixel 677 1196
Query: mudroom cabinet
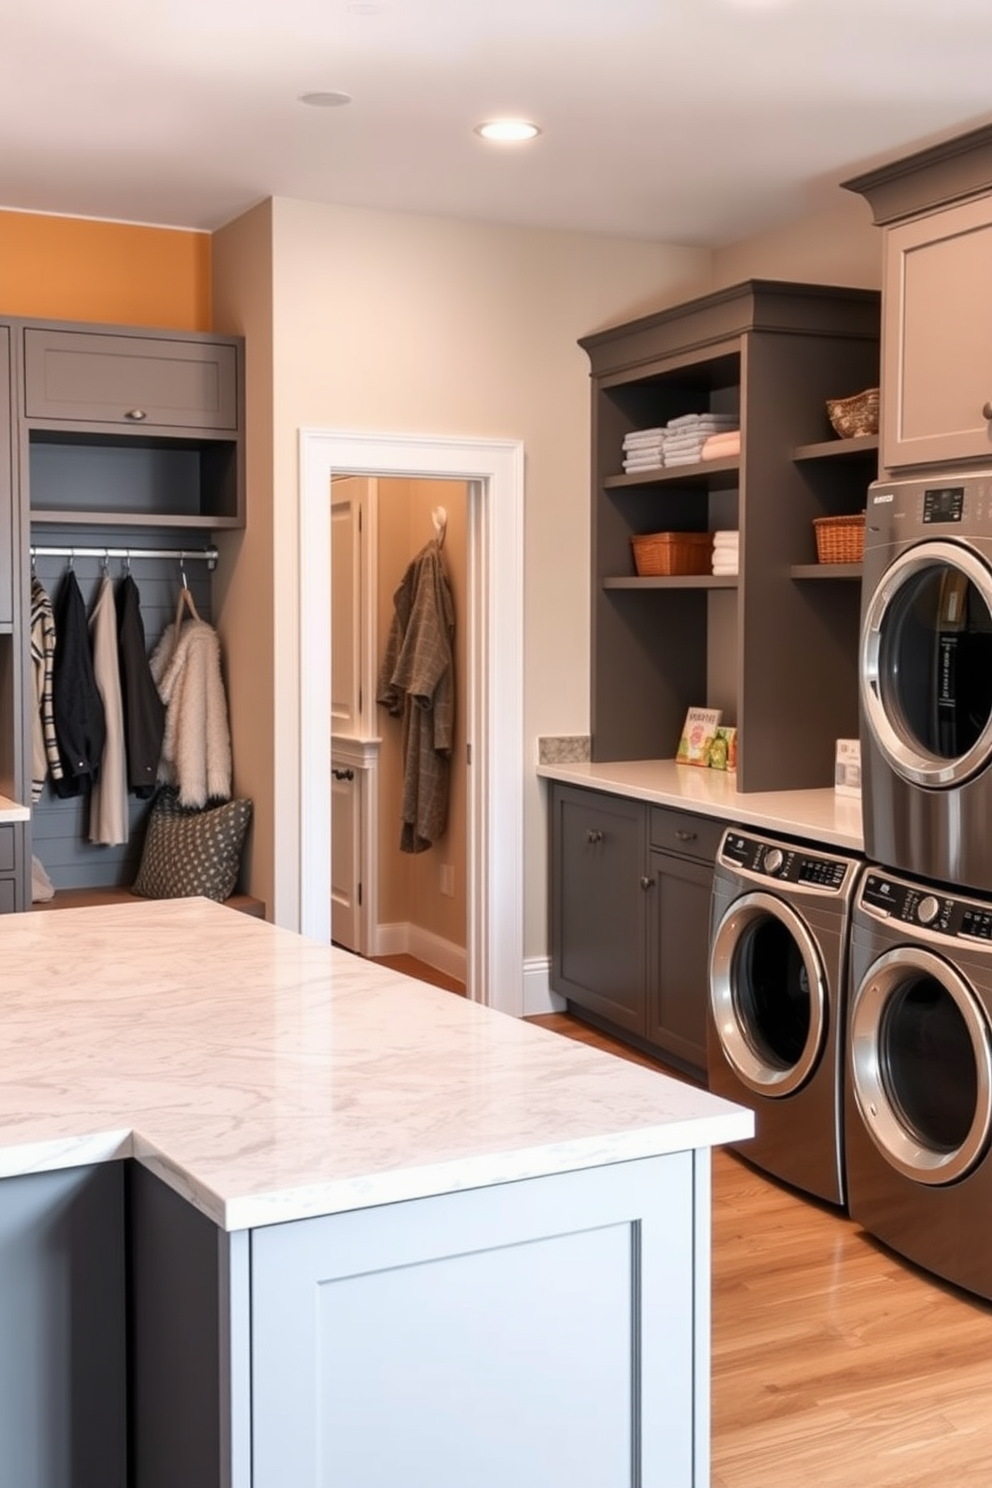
pixel 630 903
pixel 112 440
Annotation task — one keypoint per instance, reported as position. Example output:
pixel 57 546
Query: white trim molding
pixel 494 470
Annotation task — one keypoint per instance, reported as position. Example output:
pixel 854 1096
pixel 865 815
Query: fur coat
pixel 196 747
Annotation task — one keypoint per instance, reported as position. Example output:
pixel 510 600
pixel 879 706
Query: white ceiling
pixel 686 121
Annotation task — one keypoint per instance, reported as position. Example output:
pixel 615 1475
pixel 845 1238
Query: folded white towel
pixel 725 570
pixel 691 420
pixel 636 436
pixel 726 542
pixel 727 532
pixel 724 563
pixel 683 446
pixel 631 467
pixel 635 451
pixel 681 459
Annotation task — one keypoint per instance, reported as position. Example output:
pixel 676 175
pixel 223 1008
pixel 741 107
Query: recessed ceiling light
pixel 325 99
pixel 507 131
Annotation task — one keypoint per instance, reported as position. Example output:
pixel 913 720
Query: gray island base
pixel 272 1217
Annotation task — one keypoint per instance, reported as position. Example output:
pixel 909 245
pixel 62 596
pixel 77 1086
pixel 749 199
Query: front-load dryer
pixel 925 677
pixel 919 1075
pixel 777 976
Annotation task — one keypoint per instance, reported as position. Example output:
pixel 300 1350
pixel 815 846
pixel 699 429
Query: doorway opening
pixel 387 900
pixel 493 471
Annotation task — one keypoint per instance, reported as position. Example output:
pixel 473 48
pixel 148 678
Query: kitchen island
pixel 274 1217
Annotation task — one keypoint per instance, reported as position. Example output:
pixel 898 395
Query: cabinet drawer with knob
pixel 133 382
pixel 685 833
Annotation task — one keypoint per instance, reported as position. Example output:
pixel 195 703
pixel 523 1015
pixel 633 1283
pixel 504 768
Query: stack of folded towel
pixel 685 436
pixel 721 446
pixel 644 450
pixel 725 549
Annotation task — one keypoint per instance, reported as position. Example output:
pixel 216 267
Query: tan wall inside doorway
pixel 410 884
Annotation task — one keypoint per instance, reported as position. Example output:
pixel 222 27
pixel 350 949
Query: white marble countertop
pixel 816 815
pixel 12 811
pixel 267 1077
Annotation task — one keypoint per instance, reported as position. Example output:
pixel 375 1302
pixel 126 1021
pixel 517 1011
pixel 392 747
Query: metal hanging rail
pixel 205 555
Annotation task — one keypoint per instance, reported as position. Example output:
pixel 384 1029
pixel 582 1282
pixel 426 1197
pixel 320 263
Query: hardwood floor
pixel 421 972
pixel 835 1364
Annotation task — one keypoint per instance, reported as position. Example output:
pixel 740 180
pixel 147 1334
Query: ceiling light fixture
pixel 507 131
pixel 325 99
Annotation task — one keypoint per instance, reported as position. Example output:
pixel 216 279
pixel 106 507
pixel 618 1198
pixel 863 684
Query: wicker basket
pixel 852 417
pixel 840 539
pixel 660 553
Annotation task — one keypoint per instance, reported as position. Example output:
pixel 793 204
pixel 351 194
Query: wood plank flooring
pixel 835 1364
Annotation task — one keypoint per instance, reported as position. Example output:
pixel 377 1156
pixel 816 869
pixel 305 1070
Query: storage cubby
pixel 122 440
pixel 776 657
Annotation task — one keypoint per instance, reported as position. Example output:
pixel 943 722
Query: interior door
pixel 348 499
pixel 346 855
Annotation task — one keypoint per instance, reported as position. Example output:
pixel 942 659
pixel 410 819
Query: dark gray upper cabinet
pixel 131 382
pixel 145 428
pixel 774 651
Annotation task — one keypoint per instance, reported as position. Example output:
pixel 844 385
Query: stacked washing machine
pixel 918 1078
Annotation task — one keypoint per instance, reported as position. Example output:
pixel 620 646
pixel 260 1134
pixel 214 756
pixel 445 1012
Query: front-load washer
pixel 925 677
pixel 777 978
pixel 919 1075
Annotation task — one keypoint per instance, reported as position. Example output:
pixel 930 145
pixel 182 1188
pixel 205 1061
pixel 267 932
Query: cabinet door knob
pixel 647 883
pixel 684 836
pixel 344 774
pixel 987 410
pixel 137 414
pixel 593 835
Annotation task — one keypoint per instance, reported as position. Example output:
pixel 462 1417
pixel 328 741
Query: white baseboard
pixel 411 940
pixel 538 996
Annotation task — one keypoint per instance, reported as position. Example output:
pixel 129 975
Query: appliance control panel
pixel 784 862
pixel 929 908
pixel 931 504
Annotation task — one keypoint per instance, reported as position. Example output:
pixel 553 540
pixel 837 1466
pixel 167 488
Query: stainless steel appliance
pixel 778 961
pixel 926 677
pixel 919 1075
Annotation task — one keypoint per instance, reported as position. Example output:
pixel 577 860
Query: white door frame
pixel 494 470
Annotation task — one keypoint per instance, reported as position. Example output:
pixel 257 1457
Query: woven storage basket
pixel 840 539
pixel 659 553
pixel 852 417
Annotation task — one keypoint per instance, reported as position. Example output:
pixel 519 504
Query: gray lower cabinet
pixel 63 1393
pixel 547 1333
pixel 542 1333
pixel 599 904
pixel 630 904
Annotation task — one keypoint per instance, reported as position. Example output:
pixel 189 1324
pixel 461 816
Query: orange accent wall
pixel 69 268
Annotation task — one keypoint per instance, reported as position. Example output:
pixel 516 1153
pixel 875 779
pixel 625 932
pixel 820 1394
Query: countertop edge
pixel 820 816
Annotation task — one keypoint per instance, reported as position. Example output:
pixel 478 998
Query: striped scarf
pixel 45 750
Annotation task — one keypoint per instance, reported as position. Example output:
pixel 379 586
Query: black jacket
pixel 144 711
pixel 77 707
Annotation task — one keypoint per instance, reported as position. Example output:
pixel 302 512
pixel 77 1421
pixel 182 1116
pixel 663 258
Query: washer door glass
pixel 767 994
pixel 926 664
pixel 921 1065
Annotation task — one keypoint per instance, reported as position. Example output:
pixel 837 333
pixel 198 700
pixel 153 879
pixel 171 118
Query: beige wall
pixel 244 597
pixel 837 245
pixel 385 322
pixel 399 323
pixel 409 885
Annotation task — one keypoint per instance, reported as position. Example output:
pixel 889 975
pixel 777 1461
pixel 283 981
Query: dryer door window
pixel 767 994
pixel 926 664
pixel 921 1066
